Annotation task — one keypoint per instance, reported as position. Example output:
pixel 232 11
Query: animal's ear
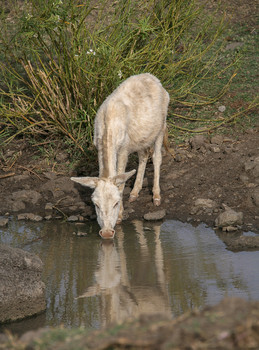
pixel 120 179
pixel 86 181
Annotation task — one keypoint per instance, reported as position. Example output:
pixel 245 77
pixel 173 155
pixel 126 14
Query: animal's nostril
pixel 107 234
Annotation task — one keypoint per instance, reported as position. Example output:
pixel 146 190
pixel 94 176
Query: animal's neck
pixel 108 159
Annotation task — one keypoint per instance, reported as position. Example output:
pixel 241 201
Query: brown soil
pixel 223 169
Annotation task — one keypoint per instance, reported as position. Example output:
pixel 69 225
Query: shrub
pixel 61 59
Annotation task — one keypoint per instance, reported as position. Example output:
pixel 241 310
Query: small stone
pixel 205 203
pixel 222 109
pixel 29 216
pixel 50 175
pixel 49 206
pixel 156 215
pixel 3 222
pixel 18 206
pixel 72 218
pixel 197 142
pixel 81 234
pixel 217 140
pixel 230 228
pixel 214 148
pixel 229 218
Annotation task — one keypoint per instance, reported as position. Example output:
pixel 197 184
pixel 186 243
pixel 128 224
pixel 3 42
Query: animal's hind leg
pixel 143 157
pixel 157 160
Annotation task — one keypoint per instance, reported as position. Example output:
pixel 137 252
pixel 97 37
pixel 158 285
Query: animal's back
pixel 135 112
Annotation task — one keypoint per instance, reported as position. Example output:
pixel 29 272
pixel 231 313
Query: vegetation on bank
pixel 60 59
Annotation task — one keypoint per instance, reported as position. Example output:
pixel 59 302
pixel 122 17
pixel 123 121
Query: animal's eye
pixel 116 204
pixel 97 206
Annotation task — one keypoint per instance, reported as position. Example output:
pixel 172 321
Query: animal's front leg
pixel 157 160
pixel 121 166
pixel 143 157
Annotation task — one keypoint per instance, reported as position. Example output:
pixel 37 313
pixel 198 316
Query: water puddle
pixel 171 268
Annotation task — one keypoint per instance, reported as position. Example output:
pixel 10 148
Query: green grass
pixel 60 59
pixel 241 96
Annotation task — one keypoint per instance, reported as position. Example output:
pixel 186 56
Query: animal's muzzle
pixel 107 234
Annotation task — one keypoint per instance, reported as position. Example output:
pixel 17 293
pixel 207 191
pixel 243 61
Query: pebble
pixel 229 218
pixel 155 215
pixel 3 222
pixel 72 218
pixel 222 109
pixel 29 216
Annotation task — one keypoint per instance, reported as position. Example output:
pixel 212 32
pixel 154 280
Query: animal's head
pixel 106 198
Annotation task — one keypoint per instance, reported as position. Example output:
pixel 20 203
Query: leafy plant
pixel 61 59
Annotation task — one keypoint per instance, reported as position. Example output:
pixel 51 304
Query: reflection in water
pixel 121 296
pixel 170 268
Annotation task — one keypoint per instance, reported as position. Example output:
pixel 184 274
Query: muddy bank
pixel 232 324
pixel 206 176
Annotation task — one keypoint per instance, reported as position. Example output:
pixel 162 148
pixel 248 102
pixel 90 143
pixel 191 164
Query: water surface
pixel 171 268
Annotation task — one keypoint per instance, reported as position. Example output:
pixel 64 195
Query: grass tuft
pixel 60 59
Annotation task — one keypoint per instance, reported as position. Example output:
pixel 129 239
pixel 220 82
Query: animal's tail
pixel 166 143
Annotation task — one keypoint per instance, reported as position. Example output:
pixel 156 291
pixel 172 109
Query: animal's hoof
pixel 132 198
pixel 157 202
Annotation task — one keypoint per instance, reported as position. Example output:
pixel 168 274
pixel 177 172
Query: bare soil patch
pixel 207 173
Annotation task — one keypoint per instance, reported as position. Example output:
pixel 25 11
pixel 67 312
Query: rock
pixel 214 148
pixel 49 207
pixel 80 233
pixel 217 140
pixel 205 203
pixel 27 196
pixel 229 218
pixel 29 216
pixel 197 142
pixel 17 206
pixel 222 109
pixel 21 178
pixel 22 293
pixel 155 215
pixel 201 204
pixel 3 222
pixel 59 186
pixel 255 197
pixel 229 229
pixel 72 218
pixel 50 175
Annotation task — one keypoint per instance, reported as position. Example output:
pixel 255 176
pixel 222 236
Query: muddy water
pixel 172 268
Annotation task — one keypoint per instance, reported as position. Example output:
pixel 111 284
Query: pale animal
pixel 131 119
